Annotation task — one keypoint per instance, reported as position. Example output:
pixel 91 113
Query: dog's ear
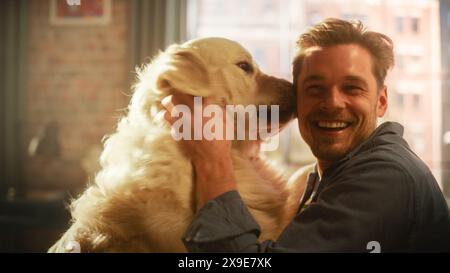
pixel 183 70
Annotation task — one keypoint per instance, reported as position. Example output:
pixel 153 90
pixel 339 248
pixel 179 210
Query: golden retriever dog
pixel 142 200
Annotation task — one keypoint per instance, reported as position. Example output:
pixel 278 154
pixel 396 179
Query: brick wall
pixel 77 76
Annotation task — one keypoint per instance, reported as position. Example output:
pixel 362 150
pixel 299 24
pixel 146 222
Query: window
pixel 448 50
pixel 400 61
pixel 448 19
pixel 260 56
pixel 355 16
pixel 399 24
pixel 418 144
pixel 314 18
pixel 415 25
pixel 416 58
pixel 414 64
pixel 416 102
pixel 400 101
pixel 268 6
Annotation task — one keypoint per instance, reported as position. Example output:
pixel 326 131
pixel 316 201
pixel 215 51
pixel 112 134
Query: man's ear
pixel 382 102
pixel 182 70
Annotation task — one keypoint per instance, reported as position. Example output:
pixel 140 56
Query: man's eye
pixel 315 89
pixel 352 88
pixel 245 66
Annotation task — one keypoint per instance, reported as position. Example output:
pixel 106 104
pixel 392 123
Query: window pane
pixel 399 24
pixel 415 25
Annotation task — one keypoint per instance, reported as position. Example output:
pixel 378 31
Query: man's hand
pixel 212 162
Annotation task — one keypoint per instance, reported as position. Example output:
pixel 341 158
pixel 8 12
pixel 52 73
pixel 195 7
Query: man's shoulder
pixel 394 152
pixel 386 161
pixel 389 161
pixel 386 150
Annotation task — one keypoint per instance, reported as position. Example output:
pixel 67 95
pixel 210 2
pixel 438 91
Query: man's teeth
pixel 333 125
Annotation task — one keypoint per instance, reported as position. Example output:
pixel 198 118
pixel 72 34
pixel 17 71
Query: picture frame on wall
pixel 80 12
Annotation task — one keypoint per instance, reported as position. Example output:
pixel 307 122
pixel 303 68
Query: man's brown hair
pixel 334 31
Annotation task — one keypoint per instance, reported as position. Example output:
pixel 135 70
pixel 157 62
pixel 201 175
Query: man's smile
pixel 331 127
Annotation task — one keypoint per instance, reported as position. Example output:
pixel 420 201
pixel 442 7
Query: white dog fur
pixel 142 200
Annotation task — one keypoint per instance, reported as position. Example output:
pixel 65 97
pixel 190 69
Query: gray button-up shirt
pixel 381 191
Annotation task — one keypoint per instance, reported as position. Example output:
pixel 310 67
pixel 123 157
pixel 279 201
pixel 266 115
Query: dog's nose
pixel 288 100
pixel 281 84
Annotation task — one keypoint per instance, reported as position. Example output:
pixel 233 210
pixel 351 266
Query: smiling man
pixel 339 99
pixel 368 187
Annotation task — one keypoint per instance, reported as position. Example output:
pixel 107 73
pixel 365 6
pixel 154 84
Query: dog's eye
pixel 245 66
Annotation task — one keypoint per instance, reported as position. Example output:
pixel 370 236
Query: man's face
pixel 337 100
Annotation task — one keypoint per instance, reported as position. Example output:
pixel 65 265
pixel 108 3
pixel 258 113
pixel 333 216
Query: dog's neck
pixel 249 149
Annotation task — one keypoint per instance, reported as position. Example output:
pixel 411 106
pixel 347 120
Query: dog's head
pixel 212 67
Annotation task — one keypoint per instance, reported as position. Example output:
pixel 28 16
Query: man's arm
pixel 350 213
pixel 213 177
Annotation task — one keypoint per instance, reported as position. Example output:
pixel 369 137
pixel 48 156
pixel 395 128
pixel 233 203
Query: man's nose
pixel 333 99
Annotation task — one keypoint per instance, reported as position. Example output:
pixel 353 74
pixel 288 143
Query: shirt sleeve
pixel 223 224
pixel 362 206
